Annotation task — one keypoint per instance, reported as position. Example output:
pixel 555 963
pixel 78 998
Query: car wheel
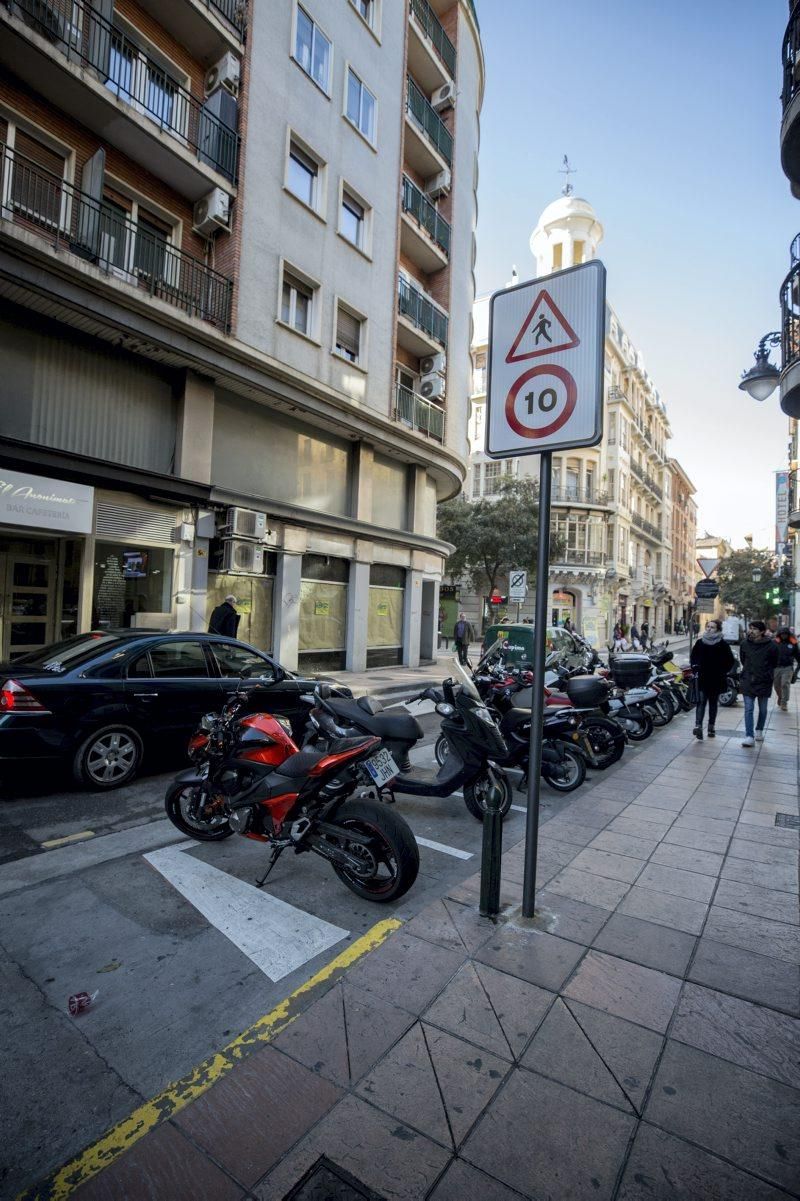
pixel 108 758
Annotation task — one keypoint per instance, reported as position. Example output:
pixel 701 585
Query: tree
pixel 739 591
pixel 492 536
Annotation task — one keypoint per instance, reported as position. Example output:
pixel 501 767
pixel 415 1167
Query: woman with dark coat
pixel 711 659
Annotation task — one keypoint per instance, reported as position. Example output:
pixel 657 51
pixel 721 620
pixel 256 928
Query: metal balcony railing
pixel 578 496
pixel 615 393
pixel 84 36
pixel 646 527
pixel 69 218
pixel 428 121
pixel 583 558
pixel 791 59
pixel 432 27
pixel 645 478
pixel 790 315
pixel 234 12
pixel 418 206
pixel 419 413
pixel 421 311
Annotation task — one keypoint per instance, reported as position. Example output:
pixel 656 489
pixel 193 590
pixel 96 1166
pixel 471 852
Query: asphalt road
pixel 96 914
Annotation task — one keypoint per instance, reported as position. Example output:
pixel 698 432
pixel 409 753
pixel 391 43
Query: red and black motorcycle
pixel 250 778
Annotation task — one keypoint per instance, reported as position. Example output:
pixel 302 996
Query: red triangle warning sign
pixel 544 331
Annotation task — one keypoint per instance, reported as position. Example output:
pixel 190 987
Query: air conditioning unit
pixel 224 74
pixel 246 523
pixel 433 364
pixel 246 558
pixel 444 97
pixel 432 387
pixel 439 184
pixel 212 213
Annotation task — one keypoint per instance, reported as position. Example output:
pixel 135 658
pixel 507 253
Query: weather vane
pixel 568 189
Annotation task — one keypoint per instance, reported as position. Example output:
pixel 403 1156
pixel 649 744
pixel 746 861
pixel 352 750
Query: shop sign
pixel 322 608
pixel 40 503
pixel 449 591
pixel 383 609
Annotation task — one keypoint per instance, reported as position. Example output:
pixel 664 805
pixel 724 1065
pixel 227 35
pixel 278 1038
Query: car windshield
pixel 72 652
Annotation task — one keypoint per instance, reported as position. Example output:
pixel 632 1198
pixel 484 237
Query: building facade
pixel 684 536
pixel 611 504
pixel 236 276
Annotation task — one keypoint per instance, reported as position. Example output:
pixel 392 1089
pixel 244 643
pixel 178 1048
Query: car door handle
pixel 151 694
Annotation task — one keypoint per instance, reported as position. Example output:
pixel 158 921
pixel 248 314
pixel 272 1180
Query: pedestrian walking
pixel 759 656
pixel 711 659
pixel 695 625
pixel 644 634
pixel 462 636
pixel 788 661
pixel 225 620
pixel 635 639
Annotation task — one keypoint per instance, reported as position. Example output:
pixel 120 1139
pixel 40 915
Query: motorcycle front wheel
pixel 638 729
pixel 185 811
pixel 475 794
pixel 441 750
pixel 391 857
pixel 728 697
pixel 608 744
pixel 568 775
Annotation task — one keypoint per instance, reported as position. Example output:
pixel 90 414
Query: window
pixel 140 668
pixel 296 303
pixel 558 253
pixel 238 661
pixel 360 110
pixel 151 246
pixel 36 181
pixel 366 9
pixel 136 77
pixel 479 373
pixel 492 478
pixel 302 176
pixel 348 335
pixel 476 480
pixel 352 220
pixel 178 660
pixel 312 50
pixel 577 253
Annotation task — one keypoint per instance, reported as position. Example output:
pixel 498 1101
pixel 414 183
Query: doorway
pixel 28 603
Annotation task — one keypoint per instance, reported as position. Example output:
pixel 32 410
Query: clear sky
pixel 671 115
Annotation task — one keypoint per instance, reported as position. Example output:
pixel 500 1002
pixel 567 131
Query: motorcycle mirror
pixel 445 710
pixel 323 691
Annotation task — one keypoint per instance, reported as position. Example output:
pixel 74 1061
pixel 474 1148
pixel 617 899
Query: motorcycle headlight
pixel 207 721
pixel 484 715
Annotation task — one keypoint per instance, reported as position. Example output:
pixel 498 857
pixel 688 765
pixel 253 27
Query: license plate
pixel 382 768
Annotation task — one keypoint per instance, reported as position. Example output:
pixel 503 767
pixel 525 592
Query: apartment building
pixel 611 504
pixel 236 252
pixel 685 572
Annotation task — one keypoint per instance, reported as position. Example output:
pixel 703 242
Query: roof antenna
pixel 566 170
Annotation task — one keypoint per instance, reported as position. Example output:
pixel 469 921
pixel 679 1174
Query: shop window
pixel 129 580
pixel 385 615
pixel 323 612
pixel 179 661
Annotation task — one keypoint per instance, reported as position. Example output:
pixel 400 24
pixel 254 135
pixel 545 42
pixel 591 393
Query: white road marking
pixel 519 808
pixel 445 850
pixel 277 937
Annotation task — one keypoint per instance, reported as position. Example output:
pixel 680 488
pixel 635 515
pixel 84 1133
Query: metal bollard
pixel 491 853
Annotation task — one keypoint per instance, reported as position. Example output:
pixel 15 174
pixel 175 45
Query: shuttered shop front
pixel 385 615
pixel 323 613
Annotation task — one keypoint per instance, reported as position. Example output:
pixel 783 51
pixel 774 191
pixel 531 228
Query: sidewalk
pixel 638 1040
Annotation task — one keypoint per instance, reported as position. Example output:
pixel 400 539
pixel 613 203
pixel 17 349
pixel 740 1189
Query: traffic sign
pixel 704 605
pixel 707 589
pixel 708 566
pixel 545 380
pixel 517 586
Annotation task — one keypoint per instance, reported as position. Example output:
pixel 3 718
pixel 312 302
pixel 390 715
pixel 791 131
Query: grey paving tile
pixel 665 1168
pixel 677 882
pixel 407 971
pixel 747 1118
pixel 751 1035
pixel 665 909
pixel 711 825
pixel 542 1152
pixel 571 832
pixel 654 946
pixel 688 859
pixel 764 875
pixel 660 819
pixel 568 918
pixel 635 828
pixel 465 1009
pixel 589 888
pixel 624 844
pixel 606 863
pixel 755 977
pixel 763 902
pixel 666 799
pixel 462 1181
pixel 385 1155
pixel 698 840
pixel 754 933
pixel 763 852
pixel 771 835
pixel 450 924
pixel 541 959
pixel 625 989
pixel 559 852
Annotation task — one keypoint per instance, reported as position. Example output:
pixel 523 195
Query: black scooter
pixel 473 738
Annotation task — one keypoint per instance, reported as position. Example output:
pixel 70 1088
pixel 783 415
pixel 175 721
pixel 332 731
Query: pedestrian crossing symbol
pixel 545 330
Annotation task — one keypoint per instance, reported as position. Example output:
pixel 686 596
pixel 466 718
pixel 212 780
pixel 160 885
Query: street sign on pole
pixel 544 393
pixel 704 605
pixel 517 585
pixel 708 566
pixel 707 589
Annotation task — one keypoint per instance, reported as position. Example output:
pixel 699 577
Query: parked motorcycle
pixel 734 682
pixel 474 741
pixel 249 777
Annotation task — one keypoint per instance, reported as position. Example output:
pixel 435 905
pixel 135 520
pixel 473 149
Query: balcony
pixel 207 28
pixel 130 255
pixel 587 497
pixel 431 54
pixel 419 414
pixel 646 479
pixel 615 393
pixel 580 558
pixel 647 527
pixel 424 233
pixel 96 73
pixel 790 335
pixel 428 142
pixel 790 99
pixel 421 324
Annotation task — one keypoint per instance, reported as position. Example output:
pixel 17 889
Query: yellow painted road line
pixel 81 836
pixel 177 1096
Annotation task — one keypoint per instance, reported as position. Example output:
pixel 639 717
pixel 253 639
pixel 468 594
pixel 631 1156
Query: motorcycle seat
pixel 302 763
pixel 401 727
pixel 371 705
pixel 516 717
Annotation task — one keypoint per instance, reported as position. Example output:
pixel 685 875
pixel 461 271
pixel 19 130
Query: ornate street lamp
pixel 763 378
pixel 756 575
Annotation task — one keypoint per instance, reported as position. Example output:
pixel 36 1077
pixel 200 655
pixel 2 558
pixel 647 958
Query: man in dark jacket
pixel 759 656
pixel 225 620
pixel 788 660
pixel 462 635
pixel 711 659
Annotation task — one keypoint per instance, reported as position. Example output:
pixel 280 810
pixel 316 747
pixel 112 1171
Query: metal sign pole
pixel 537 706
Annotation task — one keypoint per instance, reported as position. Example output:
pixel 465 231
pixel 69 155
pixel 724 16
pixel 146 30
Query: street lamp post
pixel 763 377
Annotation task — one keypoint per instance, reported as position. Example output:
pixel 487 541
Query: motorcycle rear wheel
pixel 393 849
pixel 638 729
pixel 607 743
pixel 574 771
pixel 475 793
pixel 176 803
